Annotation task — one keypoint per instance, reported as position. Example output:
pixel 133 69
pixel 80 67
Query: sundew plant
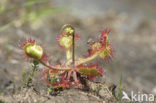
pixel 75 71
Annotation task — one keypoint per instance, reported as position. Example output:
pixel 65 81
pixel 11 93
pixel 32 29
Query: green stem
pixel 33 71
pixel 73 49
pixel 31 75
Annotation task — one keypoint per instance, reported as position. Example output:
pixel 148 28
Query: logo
pixel 125 96
pixel 138 97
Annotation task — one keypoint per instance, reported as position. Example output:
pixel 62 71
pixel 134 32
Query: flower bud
pixel 69 30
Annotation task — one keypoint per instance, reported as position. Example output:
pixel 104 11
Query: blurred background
pixel 133 36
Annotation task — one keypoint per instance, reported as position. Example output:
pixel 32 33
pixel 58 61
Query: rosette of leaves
pixel 74 72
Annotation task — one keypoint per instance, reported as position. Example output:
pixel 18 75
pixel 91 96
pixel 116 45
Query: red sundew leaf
pixel 109 57
pixel 64 41
pixel 63 85
pixel 104 37
pixel 104 33
pixel 30 41
pixel 26 42
pixel 91 70
pixel 45 76
pixel 68 38
pixel 44 57
pixel 102 45
pixel 106 53
pixel 23 43
pixel 58 40
pixel 31 49
pixel 63 75
pixel 93 50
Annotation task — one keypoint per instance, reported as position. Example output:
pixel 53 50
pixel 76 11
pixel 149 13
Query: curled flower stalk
pixel 76 71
